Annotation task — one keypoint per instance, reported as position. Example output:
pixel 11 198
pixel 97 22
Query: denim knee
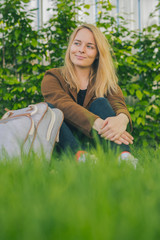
pixel 102 108
pixel 99 100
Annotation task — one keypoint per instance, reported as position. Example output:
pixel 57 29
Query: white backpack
pixel 31 129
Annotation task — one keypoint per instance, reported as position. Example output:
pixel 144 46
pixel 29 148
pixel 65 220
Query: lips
pixel 80 57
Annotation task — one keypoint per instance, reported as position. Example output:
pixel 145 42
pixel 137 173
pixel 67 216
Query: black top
pixel 81 96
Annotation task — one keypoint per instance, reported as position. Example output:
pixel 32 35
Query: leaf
pixel 139 94
pixel 87 6
pixel 31 89
pixel 140 121
pixel 149 108
pixel 135 86
pixel 26 1
pixel 157 78
pixel 143 121
pixel 130 109
pixel 131 91
pixel 86 13
pixel 145 143
pixel 146 92
pixel 130 60
pixel 17 33
pixel 142 133
pixel 156 109
pixel 34 42
pixel 133 117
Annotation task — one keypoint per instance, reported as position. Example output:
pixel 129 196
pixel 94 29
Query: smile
pixel 80 57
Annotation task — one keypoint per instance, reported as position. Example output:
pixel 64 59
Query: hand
pixel 98 123
pixel 113 127
pixel 125 138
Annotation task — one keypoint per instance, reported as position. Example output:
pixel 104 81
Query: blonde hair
pixel 102 76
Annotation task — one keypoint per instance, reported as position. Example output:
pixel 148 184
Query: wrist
pixel 124 118
pixel 97 124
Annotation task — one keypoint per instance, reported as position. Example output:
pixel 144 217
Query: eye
pixel 90 46
pixel 76 43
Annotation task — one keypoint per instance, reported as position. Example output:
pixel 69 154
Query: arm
pixel 114 128
pixel 118 104
pixel 56 91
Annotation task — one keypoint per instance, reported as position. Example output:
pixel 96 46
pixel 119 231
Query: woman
pixel 86 91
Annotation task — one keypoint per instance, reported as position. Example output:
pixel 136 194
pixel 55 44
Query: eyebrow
pixel 87 43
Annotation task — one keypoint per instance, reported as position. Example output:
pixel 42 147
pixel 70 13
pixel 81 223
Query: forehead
pixel 85 35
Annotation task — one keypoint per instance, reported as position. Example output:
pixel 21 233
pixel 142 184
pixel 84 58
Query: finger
pixel 123 141
pixel 105 122
pixel 104 129
pixel 125 137
pixel 104 125
pixel 118 142
pixel 116 137
pixel 107 135
pixel 128 135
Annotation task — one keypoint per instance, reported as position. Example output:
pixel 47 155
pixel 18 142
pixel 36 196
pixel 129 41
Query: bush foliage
pixel 26 53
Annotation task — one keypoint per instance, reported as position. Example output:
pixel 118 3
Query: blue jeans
pixel 71 138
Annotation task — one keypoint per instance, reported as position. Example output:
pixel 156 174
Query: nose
pixel 82 48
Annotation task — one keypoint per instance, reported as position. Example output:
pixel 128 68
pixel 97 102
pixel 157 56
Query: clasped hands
pixel 114 129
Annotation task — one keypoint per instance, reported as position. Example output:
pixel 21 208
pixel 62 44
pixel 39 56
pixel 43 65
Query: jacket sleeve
pixel 118 104
pixel 56 92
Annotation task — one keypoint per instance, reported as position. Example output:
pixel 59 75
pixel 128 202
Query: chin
pixel 82 65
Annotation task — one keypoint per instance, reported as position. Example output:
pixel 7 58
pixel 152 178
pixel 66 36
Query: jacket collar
pixel 88 96
pixel 73 92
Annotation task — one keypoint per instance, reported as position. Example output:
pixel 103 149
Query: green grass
pixel 81 201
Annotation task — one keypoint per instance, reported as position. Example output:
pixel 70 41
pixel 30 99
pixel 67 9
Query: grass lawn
pixel 81 201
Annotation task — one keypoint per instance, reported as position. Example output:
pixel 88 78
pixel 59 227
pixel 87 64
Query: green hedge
pixel 25 55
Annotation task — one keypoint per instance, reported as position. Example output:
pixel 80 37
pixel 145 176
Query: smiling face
pixel 83 50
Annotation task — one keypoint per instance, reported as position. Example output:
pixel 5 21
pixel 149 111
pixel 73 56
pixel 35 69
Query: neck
pixel 83 76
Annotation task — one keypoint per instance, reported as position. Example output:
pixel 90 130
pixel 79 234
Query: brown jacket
pixel 57 92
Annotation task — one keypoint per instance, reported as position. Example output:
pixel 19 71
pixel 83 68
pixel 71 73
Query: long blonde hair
pixel 103 76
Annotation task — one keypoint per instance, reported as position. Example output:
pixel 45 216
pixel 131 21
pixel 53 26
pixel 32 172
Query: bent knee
pixel 100 100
